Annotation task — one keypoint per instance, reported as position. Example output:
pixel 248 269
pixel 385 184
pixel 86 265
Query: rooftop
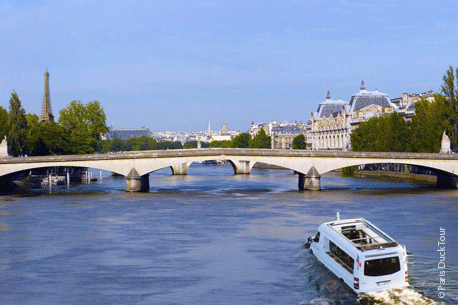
pixel 330 107
pixel 365 98
pixel 362 234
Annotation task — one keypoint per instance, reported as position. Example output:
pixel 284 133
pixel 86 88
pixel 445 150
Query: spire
pixel 209 131
pixel 46 112
pixel 328 96
pixel 363 87
pixel 224 131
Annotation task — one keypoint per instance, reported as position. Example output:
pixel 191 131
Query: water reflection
pixel 207 238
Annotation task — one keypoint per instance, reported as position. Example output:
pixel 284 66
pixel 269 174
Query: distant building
pixel 406 103
pixel 224 134
pixel 256 127
pixel 283 134
pixel 330 126
pixel 367 104
pixel 224 131
pixel 206 136
pixel 129 133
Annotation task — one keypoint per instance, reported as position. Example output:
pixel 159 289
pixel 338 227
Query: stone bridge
pixel 309 165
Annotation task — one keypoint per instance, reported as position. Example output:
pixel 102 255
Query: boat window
pixel 341 255
pixel 382 266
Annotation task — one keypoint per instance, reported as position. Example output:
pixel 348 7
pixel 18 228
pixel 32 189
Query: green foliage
pixel 221 144
pixel 428 124
pixel 193 144
pixel 242 140
pixel 299 142
pixel 424 134
pixel 226 144
pixel 136 144
pixel 450 91
pixel 260 140
pixel 140 143
pixel 83 126
pixel 386 133
pixel 17 128
pixel 114 145
pixel 348 171
pixel 45 139
pixel 4 123
pixel 169 145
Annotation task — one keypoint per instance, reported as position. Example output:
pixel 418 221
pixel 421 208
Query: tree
pixel 450 92
pixel 242 140
pixel 83 125
pixel 194 144
pixel 4 123
pixel 221 144
pixel 386 133
pixel 364 137
pixel 394 133
pixel 299 142
pixel 260 140
pixel 428 124
pixel 17 127
pixel 45 139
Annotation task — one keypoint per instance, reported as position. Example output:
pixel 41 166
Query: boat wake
pixel 406 296
pixel 329 290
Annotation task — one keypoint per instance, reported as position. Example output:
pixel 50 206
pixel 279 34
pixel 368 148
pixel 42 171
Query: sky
pixel 176 65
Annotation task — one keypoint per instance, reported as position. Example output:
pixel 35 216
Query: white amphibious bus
pixel 361 254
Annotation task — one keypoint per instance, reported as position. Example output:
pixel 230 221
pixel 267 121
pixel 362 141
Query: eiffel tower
pixel 46 112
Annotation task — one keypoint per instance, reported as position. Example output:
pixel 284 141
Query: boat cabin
pixel 362 255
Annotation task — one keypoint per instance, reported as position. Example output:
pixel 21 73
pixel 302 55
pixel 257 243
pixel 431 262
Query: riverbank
pixel 430 179
pixel 401 176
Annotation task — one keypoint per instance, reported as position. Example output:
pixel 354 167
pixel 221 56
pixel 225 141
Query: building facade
pixel 330 126
pixel 283 134
pixel 406 103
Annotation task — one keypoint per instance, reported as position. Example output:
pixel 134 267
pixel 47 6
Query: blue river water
pixel 212 237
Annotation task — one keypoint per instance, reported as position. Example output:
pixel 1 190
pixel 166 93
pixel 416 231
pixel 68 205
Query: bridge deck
pixel 213 152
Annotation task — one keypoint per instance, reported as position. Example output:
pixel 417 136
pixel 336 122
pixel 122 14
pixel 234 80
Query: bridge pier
pixel 180 169
pixel 310 181
pixel 445 180
pixel 137 183
pixel 241 167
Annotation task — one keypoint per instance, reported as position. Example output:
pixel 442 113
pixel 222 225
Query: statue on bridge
pixel 4 148
pixel 445 144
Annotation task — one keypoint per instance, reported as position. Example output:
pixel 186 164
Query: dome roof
pixel 331 107
pixel 366 98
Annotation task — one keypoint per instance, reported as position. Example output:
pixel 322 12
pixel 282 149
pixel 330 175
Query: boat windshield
pixel 382 266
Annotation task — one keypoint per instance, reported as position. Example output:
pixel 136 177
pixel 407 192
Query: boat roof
pixel 362 234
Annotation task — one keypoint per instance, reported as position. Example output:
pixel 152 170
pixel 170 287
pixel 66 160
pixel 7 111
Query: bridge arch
pixel 242 160
pixel 440 168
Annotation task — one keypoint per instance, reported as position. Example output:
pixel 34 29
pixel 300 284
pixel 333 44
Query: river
pixel 212 237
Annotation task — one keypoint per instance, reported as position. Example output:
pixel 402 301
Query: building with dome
pixel 330 126
pixel 366 104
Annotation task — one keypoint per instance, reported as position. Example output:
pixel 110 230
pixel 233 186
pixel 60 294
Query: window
pixel 341 255
pixel 382 266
